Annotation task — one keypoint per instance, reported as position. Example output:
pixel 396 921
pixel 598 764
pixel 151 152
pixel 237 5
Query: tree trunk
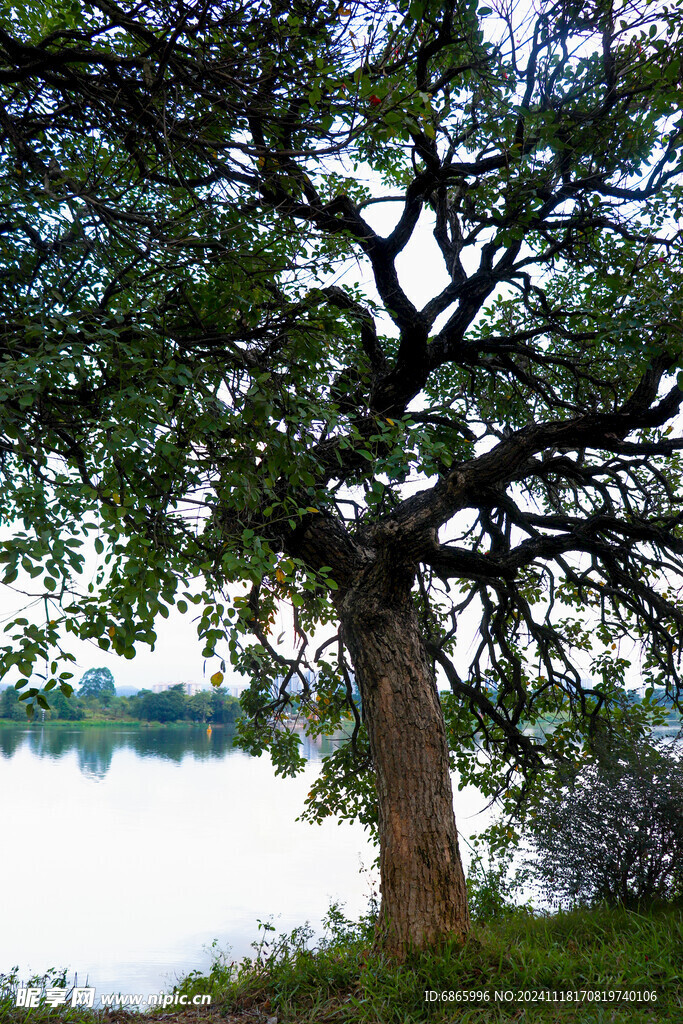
pixel 422 882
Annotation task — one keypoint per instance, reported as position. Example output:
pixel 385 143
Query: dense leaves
pixel 97 682
pixel 614 832
pixel 172 705
pixel 195 395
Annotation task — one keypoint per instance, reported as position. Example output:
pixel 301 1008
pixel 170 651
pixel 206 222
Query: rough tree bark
pixel 422 881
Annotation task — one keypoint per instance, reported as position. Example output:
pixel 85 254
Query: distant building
pixel 295 685
pixel 189 688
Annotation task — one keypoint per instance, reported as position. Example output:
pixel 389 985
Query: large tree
pixel 480 487
pixel 97 682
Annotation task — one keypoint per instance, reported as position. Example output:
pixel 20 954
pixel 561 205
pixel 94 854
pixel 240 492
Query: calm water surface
pixel 126 852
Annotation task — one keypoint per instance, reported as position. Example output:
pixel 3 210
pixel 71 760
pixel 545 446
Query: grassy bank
pixel 533 963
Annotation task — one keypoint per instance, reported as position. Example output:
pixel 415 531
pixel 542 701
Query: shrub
pixel 614 831
pixel 493 886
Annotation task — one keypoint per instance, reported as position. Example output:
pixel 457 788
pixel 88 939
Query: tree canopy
pixel 218 368
pixel 97 682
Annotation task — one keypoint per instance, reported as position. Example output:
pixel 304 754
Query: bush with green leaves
pixel 10 706
pixel 614 830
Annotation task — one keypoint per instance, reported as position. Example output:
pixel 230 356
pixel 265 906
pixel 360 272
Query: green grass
pixel 342 980
pixel 519 954
pixel 9 984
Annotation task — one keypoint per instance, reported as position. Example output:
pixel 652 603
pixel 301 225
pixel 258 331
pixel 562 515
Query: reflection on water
pixel 143 845
pixel 95 746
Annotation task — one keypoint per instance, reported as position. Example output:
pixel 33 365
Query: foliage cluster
pixel 612 831
pixel 174 705
pixel 97 682
pixel 10 707
pixel 186 394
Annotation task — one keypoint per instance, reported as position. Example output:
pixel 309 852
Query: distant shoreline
pixel 61 723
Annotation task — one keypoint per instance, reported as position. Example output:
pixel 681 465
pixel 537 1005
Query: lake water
pixel 126 852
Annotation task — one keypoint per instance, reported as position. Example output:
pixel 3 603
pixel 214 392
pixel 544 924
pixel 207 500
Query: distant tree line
pixel 173 705
pixel 12 709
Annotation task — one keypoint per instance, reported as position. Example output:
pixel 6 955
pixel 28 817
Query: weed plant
pixel 43 1013
pixel 519 954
